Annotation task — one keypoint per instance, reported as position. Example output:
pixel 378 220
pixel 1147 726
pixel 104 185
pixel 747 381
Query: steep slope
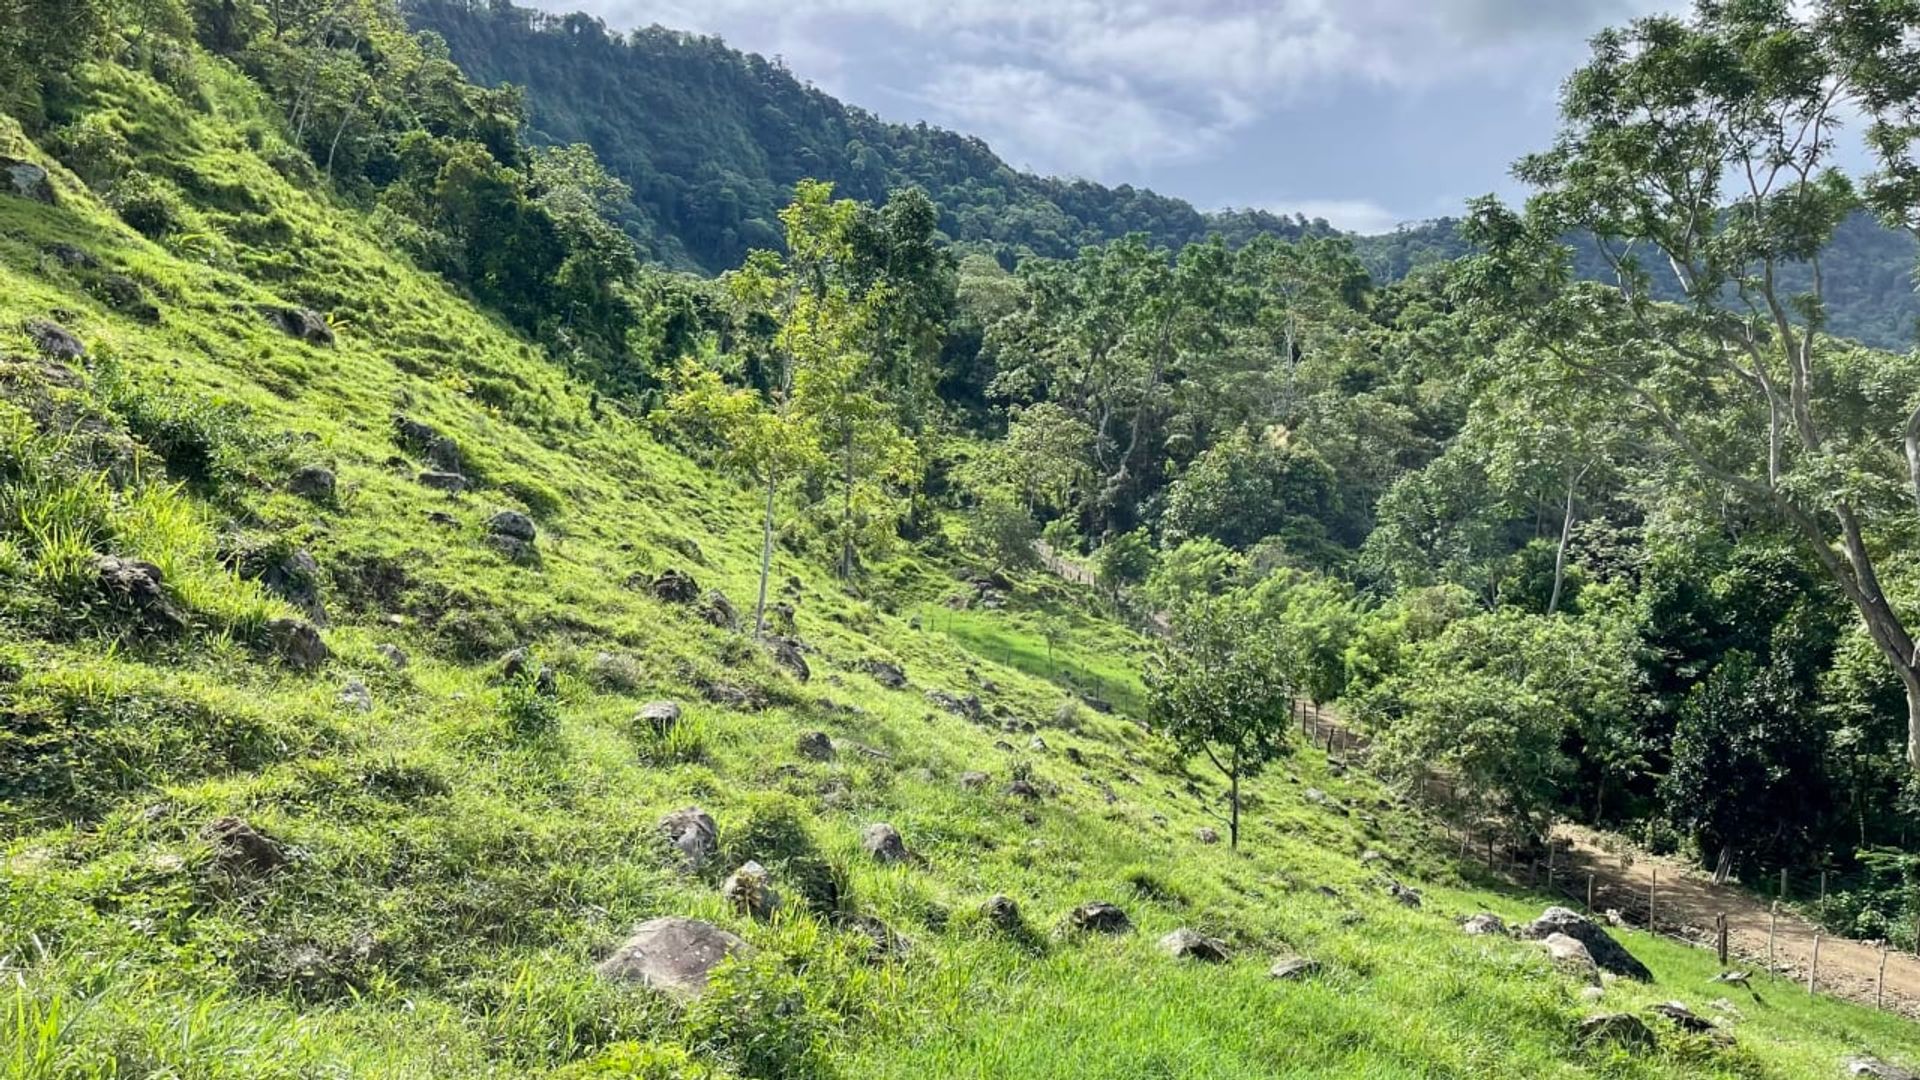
pixel 712 141
pixel 229 854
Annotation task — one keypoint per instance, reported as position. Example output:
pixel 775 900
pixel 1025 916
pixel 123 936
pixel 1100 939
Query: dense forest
pixel 711 141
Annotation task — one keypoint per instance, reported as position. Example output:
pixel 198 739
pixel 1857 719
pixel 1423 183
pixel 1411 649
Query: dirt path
pixel 1686 904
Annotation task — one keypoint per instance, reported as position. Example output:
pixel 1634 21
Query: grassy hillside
pixel 225 856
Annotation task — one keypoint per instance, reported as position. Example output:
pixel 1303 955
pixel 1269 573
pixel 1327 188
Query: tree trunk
pixel 1560 552
pixel 846 501
pixel 1233 799
pixel 766 558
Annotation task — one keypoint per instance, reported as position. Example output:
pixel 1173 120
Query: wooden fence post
pixel 1653 887
pixel 1589 892
pixel 1783 883
pixel 1813 969
pixel 1549 862
pixel 1773 923
pixel 1880 987
pixel 1720 925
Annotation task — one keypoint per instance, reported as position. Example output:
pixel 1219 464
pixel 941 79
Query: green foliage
pixel 1245 488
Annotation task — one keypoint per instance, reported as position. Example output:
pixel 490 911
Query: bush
pixel 765 1019
pixel 199 439
pixel 529 711
pixel 152 207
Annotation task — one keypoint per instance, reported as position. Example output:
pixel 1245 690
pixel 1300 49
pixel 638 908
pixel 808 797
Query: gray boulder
pixel 139 587
pixel 298 642
pixel 296 322
pixel 1875 1069
pixel 787 652
pixel 816 746
pixel 1002 913
pixel 355 697
pixel 673 955
pixel 1288 968
pixel 883 842
pixel 394 655
pixel 1189 944
pixel 694 833
pixel 315 482
pixel 1099 917
pixel 658 717
pixel 716 609
pixel 1570 956
pixel 1608 953
pixel 749 891
pixel 675 587
pixel 427 441
pixel 25 180
pixel 1206 835
pixel 1483 924
pixel 450 482
pixel 241 849
pixel 54 341
pixel 885 673
pixel 1622 1030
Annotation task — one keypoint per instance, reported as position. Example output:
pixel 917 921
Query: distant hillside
pixel 712 141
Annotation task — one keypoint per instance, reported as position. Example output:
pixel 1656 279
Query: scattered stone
pixel 659 717
pixel 139 586
pixel 394 655
pixel 1097 704
pixel 1408 896
pixel 788 653
pixel 1001 913
pixel 442 519
pixel 1371 856
pixel 1075 757
pixel 1572 957
pixel 1206 835
pixel 25 180
pixel 1879 1070
pixel 450 482
pixel 968 706
pixel 1623 1030
pixel 616 671
pixel 1023 788
pixel 717 610
pixel 293 576
pixel 882 841
pixel 125 295
pixel 975 781
pixel 298 642
pixel 675 587
pixel 749 891
pixel 732 696
pixel 816 746
pixel 239 848
pixel 886 942
pixel 1099 917
pixel 1003 746
pixel 1684 1018
pixel 512 532
pixel 1606 952
pixel 427 441
pixel 885 673
pixel 1593 995
pixel 520 664
pixel 315 482
pixel 1484 923
pixel 1315 796
pixel 672 955
pixel 1189 944
pixel 356 697
pixel 54 341
pixel 692 831
pixel 68 255
pixel 304 323
pixel 1037 744
pixel 1289 968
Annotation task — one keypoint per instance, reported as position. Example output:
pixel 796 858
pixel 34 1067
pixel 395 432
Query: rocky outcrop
pixel 673 955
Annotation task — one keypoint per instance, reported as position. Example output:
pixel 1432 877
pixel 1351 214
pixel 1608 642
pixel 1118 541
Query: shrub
pixel 152 207
pixel 641 1061
pixel 766 1019
pixel 198 438
pixel 530 712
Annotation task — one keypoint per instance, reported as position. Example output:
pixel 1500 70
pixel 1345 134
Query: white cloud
pixel 1092 85
pixel 1353 215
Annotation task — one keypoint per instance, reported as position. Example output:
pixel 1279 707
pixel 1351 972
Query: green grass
pixel 464 852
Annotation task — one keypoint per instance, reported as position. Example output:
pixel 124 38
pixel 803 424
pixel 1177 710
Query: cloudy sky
pixel 1366 112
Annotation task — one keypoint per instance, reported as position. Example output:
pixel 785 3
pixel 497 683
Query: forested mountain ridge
pixel 712 140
